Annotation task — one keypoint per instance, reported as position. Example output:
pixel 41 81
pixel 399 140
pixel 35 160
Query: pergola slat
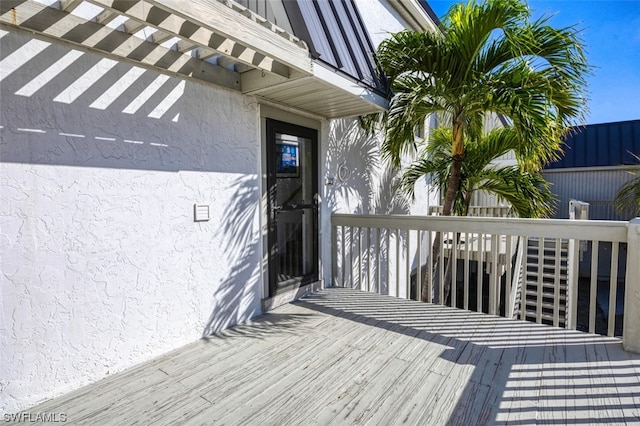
pixel 64 26
pixel 220 32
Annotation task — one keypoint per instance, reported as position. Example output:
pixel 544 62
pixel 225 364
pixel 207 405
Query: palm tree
pixel 526 191
pixel 628 197
pixel 488 58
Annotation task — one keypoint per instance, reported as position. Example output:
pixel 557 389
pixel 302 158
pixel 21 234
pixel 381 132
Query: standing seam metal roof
pixel 601 145
pixel 333 30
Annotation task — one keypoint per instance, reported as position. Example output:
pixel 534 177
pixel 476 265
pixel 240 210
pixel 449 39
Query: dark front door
pixel 292 181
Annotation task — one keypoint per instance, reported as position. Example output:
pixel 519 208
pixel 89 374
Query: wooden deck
pixel 343 357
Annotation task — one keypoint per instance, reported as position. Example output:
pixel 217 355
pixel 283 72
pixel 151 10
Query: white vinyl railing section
pixel 483 211
pixel 498 261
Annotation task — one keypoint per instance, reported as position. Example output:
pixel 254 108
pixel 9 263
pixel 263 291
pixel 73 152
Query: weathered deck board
pixel 347 357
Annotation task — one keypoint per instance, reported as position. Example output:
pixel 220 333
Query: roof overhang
pixel 216 41
pixel 415 15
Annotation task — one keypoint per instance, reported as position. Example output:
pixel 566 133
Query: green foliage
pixel 489 57
pixel 628 197
pixel 526 191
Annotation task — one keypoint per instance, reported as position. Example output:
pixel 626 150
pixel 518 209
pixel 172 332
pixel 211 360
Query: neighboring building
pixel 598 160
pixel 169 168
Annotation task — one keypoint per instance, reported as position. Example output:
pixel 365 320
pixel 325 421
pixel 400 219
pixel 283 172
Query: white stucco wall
pixel 102 265
pixel 101 162
pixel 381 19
pixel 364 183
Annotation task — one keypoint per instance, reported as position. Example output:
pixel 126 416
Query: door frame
pixel 270 127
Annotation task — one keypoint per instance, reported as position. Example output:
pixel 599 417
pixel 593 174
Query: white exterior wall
pixel 381 19
pixel 101 163
pixel 363 183
pixel 102 263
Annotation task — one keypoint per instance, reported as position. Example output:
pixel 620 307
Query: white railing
pixel 493 257
pixel 483 211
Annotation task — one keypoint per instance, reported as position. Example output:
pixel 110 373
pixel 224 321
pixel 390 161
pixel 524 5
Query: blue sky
pixel 611 33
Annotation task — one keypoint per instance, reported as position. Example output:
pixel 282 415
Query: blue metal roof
pixel 597 145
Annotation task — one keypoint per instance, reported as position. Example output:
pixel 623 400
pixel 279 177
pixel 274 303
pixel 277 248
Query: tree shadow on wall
pixel 362 179
pixel 364 184
pixel 239 233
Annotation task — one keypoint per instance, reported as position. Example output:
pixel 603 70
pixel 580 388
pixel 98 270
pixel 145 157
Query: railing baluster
pixel 613 289
pixel 454 270
pixel 368 245
pixel 334 254
pixel 494 292
pixel 388 247
pixel 556 285
pixel 441 269
pixel 429 269
pixel 419 266
pixel 523 287
pixel 397 262
pixel 378 263
pixel 572 282
pixel 408 270
pixel 467 243
pixel 351 249
pixel 360 287
pixel 480 272
pixel 342 252
pixel 508 311
pixel 594 286
pixel 540 280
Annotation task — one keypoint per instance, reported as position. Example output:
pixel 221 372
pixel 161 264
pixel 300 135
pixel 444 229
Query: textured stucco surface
pixel 102 265
pixel 380 18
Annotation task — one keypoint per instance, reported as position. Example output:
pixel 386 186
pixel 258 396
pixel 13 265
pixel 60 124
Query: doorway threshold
pixel 290 295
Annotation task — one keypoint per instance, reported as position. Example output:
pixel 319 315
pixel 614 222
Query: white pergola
pixel 217 41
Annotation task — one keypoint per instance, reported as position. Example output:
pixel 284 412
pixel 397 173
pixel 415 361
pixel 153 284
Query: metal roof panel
pixel 601 145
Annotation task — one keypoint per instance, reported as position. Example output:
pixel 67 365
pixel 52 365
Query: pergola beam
pixel 69 5
pixel 42 19
pixel 214 35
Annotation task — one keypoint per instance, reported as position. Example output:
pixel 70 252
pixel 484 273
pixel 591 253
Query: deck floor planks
pixel 371 358
pixel 481 402
pixel 370 386
pixel 281 386
pixel 520 375
pixel 347 357
pixel 458 392
pixel 308 366
pixel 604 405
pixel 624 365
pixel 552 397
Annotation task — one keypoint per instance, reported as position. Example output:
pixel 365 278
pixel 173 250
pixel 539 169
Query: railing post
pixel 631 331
pixel 573 264
pixel 334 254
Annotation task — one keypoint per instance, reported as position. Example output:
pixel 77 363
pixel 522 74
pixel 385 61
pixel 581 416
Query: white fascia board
pixel 349 86
pixel 415 15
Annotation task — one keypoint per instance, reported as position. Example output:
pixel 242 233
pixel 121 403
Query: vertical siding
pixel 596 187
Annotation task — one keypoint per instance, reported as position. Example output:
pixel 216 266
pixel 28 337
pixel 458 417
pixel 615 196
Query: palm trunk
pixel 456 241
pixel 453 185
